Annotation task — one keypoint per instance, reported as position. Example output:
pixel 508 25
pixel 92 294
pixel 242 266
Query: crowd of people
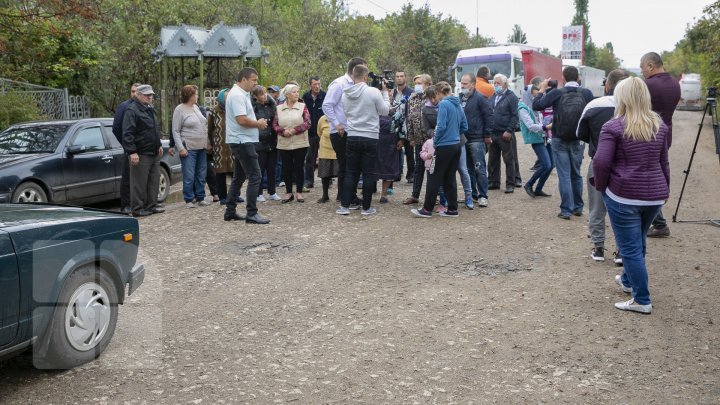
pixel 357 134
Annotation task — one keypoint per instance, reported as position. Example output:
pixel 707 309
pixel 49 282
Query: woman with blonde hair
pixel 291 123
pixel 631 169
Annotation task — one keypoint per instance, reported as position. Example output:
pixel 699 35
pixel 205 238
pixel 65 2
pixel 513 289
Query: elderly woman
pixel 631 169
pixel 415 133
pixel 265 107
pixel 291 123
pixel 189 128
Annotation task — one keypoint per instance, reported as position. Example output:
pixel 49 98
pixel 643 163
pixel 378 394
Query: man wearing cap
pixel 117 131
pixel 242 133
pixel 274 92
pixel 141 141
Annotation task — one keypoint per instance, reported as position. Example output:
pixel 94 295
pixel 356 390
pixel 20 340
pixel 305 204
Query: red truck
pixel 540 64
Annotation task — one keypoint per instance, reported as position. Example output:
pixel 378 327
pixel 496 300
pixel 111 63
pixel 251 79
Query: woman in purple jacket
pixel 631 169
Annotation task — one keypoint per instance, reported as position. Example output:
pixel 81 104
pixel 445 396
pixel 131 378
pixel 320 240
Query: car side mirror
pixel 75 149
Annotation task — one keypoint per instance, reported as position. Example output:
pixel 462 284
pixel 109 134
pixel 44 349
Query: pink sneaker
pixel 440 208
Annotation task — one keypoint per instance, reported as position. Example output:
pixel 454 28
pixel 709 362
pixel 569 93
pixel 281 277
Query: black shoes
pixel 493 187
pixel 126 210
pixel 564 216
pixel 142 213
pixel 257 219
pixel 157 210
pixel 509 189
pixel 323 200
pixel 233 217
pixel 529 190
pixel 541 193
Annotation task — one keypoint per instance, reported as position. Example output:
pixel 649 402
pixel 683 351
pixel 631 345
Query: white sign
pixel 572 42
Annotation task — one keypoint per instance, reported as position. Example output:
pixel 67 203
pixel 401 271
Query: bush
pixel 17 107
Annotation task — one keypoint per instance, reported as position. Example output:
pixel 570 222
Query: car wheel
pixel 83 321
pixel 164 187
pixel 29 192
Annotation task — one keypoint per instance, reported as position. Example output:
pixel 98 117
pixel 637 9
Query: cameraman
pixel 363 105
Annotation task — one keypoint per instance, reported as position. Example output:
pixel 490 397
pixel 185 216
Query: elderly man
pixel 141 141
pixel 664 96
pixel 117 131
pixel 313 99
pixel 478 137
pixel 504 104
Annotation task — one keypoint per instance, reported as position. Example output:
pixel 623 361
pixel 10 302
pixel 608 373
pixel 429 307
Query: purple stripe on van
pixel 482 59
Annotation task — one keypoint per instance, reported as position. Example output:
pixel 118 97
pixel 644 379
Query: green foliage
pixel 17 107
pixel 605 59
pixel 517 35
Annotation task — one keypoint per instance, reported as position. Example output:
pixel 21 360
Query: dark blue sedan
pixel 68 161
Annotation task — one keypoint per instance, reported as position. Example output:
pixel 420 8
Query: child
pixel 327 164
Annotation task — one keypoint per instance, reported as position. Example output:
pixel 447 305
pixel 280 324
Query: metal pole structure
pixel 66 100
pixel 201 87
pixel 163 101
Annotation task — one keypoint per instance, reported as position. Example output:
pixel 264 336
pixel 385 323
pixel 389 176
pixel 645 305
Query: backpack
pixel 568 112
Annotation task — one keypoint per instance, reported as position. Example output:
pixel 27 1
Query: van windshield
pixel 501 66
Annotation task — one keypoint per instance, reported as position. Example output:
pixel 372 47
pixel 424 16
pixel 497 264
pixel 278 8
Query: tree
pixel 581 18
pixel 517 36
pixel 605 59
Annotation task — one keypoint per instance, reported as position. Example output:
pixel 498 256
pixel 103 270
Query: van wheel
pixel 83 321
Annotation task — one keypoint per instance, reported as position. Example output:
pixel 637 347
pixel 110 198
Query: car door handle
pixel 107 158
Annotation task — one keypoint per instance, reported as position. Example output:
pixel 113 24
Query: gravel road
pixel 500 305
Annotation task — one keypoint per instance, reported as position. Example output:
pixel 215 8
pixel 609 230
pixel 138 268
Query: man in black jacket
pixel 478 136
pixel 117 131
pixel 504 104
pixel 595 115
pixel 567 150
pixel 313 99
pixel 141 141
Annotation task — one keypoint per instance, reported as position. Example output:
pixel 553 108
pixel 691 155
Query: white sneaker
pixel 282 184
pixel 342 211
pixel 631 305
pixel 190 205
pixel 275 197
pixel 618 281
pixel 369 211
pixel 204 203
pixel 260 198
pixel 483 202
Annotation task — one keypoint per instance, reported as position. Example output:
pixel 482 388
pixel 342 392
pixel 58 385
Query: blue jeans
pixel 479 179
pixel 464 175
pixel 630 223
pixel 546 165
pixel 568 157
pixel 194 170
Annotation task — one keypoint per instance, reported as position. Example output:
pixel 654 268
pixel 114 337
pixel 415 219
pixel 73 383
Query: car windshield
pixel 32 139
pixel 501 66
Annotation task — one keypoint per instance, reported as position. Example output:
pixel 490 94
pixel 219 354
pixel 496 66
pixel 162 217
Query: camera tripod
pixel 711 109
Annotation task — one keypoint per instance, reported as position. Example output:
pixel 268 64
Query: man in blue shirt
pixel 242 133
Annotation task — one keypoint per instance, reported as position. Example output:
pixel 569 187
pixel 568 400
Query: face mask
pixel 419 88
pixel 464 92
pixel 498 89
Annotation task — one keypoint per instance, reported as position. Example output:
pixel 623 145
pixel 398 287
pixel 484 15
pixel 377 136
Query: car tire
pixel 29 192
pixel 164 186
pixel 83 321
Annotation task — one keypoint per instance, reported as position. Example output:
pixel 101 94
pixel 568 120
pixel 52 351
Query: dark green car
pixel 63 272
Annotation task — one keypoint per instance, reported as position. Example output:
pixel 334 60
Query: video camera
pixel 377 80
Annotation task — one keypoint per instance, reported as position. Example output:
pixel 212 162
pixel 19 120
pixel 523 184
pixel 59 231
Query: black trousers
pixel 245 162
pixel 501 147
pixel 419 172
pixel 339 144
pixel 310 159
pixel 125 184
pixel 409 159
pixel 518 177
pixel 293 163
pixel 361 158
pixel 447 159
pixel 267 161
pixel 144 183
pixel 211 178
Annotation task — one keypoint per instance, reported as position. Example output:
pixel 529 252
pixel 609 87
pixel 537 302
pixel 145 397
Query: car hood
pixel 8 160
pixel 27 214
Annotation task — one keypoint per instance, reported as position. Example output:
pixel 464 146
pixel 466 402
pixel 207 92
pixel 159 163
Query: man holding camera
pixel 363 105
pixel 333 108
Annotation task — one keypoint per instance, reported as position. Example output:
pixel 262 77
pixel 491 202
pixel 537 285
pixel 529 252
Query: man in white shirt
pixel 241 133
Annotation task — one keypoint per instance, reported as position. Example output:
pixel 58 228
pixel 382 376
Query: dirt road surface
pixel 501 305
